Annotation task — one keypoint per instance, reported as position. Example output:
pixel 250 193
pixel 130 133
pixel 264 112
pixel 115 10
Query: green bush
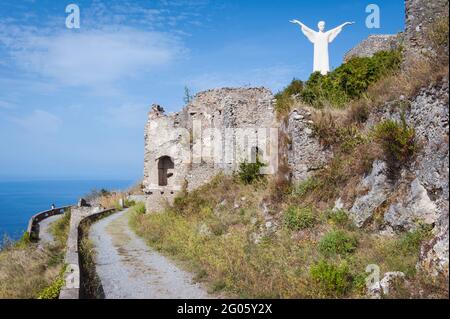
pixel 350 80
pixel 284 97
pixel 250 172
pixel 129 203
pixel 333 280
pixel 398 143
pixel 53 291
pixel 139 208
pixel 410 242
pixel 297 218
pixel 337 242
pixel 24 241
pixel 338 217
pixel 305 187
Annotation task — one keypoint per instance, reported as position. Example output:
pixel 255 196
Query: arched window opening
pixel 165 163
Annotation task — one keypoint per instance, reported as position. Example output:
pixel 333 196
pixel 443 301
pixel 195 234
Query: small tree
pixel 250 172
pixel 187 95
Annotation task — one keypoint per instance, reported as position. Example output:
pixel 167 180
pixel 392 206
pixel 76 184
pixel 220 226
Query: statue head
pixel 321 25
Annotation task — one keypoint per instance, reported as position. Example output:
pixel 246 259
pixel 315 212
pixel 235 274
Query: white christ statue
pixel 320 40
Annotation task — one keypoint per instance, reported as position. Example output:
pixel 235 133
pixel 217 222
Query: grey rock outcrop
pixel 416 208
pixel 383 287
pixel 373 44
pixel 420 15
pixel 377 188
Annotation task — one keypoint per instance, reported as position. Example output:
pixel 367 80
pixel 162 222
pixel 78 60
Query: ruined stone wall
pixel 186 137
pixel 226 110
pixel 374 44
pixel 304 152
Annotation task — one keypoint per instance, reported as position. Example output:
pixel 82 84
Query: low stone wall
pixel 33 224
pixel 73 276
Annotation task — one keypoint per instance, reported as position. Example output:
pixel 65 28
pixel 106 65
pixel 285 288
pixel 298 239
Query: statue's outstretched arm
pixel 309 33
pixel 332 34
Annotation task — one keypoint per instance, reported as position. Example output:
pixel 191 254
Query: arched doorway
pixel 164 164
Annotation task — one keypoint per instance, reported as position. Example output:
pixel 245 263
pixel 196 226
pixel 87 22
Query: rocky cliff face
pixel 420 15
pixel 374 44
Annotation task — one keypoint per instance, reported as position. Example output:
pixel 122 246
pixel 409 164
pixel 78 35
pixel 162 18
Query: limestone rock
pixel 378 188
pixel 417 207
pixel 382 288
pixel 374 44
pixel 434 255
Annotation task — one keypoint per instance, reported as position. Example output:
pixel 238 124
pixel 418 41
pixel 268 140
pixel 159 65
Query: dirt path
pixel 129 269
pixel 45 237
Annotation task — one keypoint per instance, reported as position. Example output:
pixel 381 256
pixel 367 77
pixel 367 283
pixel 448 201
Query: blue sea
pixel 20 200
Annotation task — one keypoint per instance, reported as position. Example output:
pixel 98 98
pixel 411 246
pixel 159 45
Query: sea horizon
pixel 20 198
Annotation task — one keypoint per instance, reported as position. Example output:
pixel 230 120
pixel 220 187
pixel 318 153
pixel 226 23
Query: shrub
pixel 250 172
pixel 439 33
pixel 337 242
pixel 95 193
pixel 333 280
pixel 53 291
pixel 297 218
pixel 338 217
pixel 350 80
pixel 139 208
pixel 411 241
pixel 398 143
pixel 285 97
pixel 24 241
pixel 305 187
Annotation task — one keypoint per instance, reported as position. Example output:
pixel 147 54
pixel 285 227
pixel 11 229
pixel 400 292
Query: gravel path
pixel 129 269
pixel 44 229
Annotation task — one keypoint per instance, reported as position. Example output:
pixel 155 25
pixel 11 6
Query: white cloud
pixel 39 122
pixel 6 105
pixel 95 57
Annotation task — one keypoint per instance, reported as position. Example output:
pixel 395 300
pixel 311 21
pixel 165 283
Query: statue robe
pixel 321 40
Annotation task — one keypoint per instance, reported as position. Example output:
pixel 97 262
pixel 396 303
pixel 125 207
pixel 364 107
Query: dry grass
pixel 213 234
pixel 25 272
pixel 26 269
pixel 111 200
pixel 136 189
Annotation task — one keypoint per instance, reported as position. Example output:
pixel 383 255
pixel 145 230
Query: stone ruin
pixel 187 149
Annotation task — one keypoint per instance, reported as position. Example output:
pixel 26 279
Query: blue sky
pixel 73 103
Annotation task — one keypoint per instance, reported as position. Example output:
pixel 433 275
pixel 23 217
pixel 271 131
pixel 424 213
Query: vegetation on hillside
pixel 347 82
pixel 27 271
pixel 237 232
pixel 220 233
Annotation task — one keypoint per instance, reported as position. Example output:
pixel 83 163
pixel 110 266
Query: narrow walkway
pixel 45 237
pixel 129 269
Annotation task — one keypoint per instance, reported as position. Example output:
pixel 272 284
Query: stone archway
pixel 165 163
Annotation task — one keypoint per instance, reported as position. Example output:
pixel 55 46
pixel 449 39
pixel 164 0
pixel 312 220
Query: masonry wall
pixel 213 133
